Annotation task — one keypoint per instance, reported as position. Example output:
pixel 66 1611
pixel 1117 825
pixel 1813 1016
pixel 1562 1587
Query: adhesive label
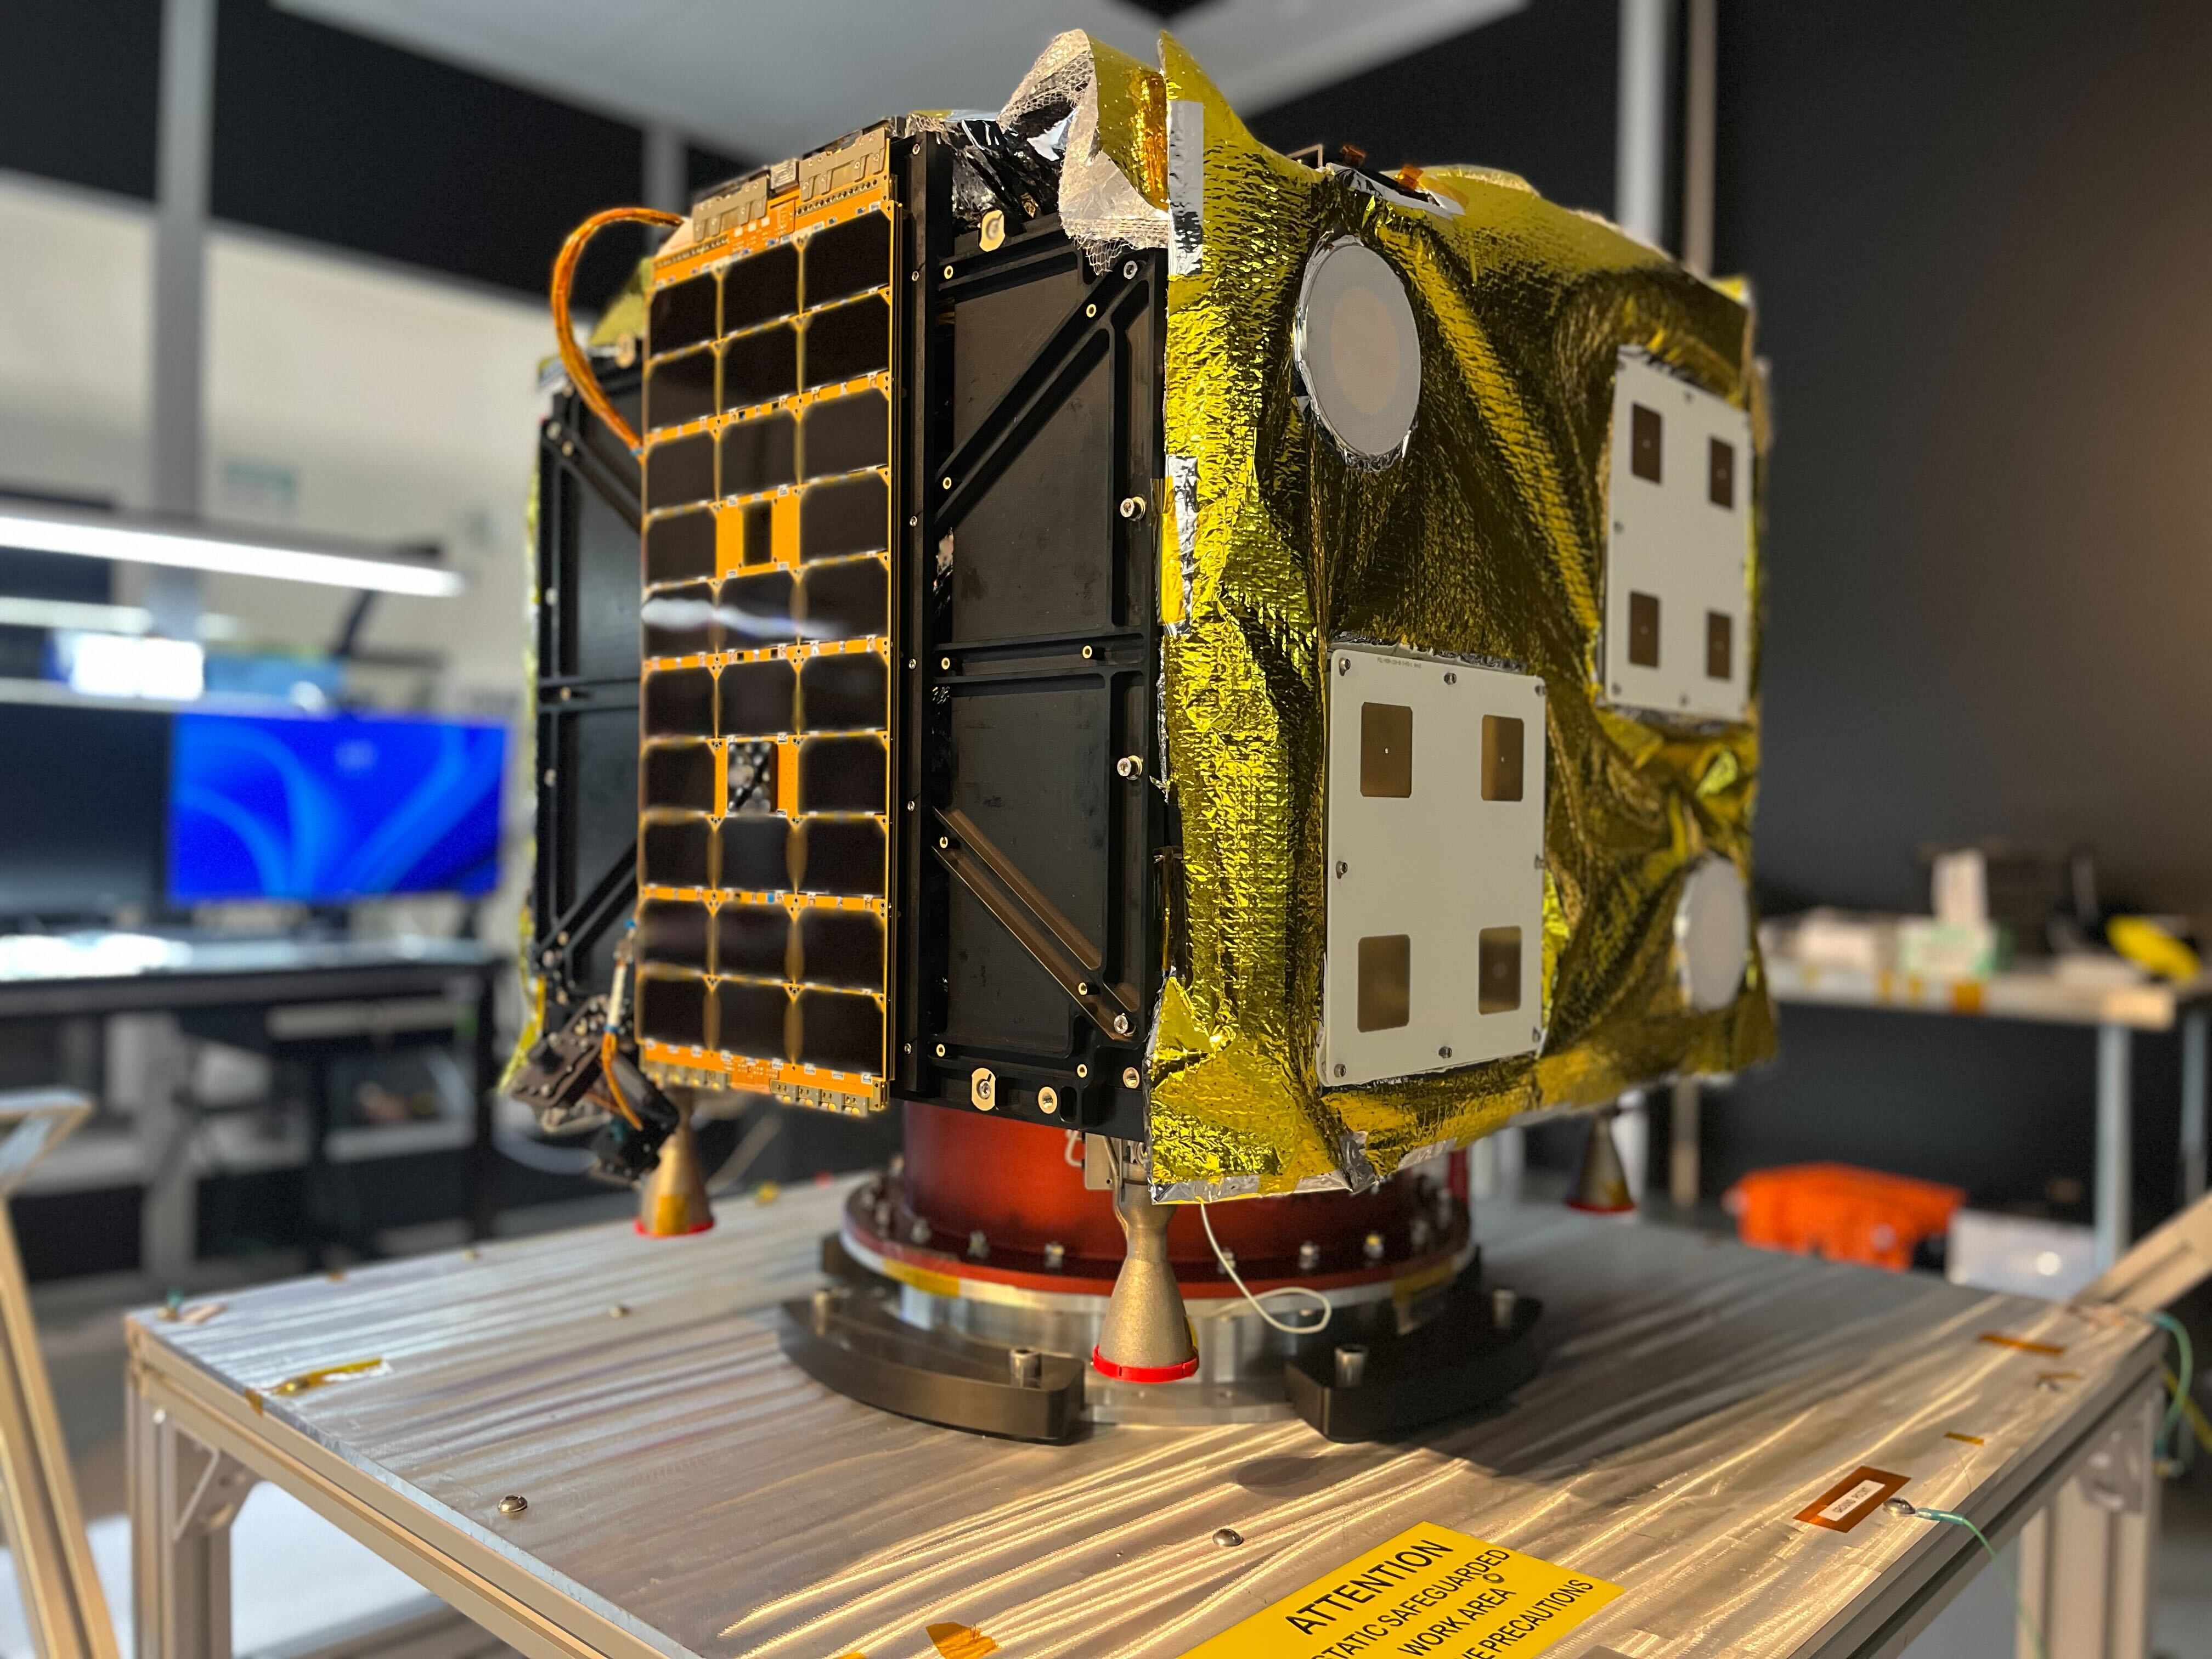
pixel 1851 1500
pixel 1430 1593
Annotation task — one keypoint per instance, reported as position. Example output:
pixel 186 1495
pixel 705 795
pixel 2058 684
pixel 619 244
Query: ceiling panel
pixel 767 80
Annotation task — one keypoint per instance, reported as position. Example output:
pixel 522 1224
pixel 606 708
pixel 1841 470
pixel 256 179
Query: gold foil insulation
pixel 1485 537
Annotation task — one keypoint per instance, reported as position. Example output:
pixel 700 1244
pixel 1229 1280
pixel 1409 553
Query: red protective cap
pixel 1106 1367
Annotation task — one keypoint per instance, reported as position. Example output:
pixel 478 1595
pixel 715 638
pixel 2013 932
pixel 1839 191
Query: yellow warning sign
pixel 1430 1593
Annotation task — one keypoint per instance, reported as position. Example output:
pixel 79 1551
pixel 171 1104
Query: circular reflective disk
pixel 1712 934
pixel 1357 351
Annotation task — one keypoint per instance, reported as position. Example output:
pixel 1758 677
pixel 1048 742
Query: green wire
pixel 2186 1375
pixel 1997 1561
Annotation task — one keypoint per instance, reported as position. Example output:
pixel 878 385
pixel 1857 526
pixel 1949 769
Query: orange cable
pixel 614 1083
pixel 564 333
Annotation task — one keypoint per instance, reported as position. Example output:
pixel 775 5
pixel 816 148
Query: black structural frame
pixel 1029 830
pixel 583 887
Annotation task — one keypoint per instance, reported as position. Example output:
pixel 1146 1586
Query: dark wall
pixel 78 89
pixel 1532 93
pixel 1980 241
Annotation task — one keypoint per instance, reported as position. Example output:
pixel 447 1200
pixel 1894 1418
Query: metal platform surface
pixel 689 1492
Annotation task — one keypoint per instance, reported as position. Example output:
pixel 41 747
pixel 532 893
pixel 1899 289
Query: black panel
pixel 756 610
pixel 677 474
pixel 849 259
pixel 843 856
pixel 759 454
pixel 758 699
pixel 754 1019
pixel 325 134
pixel 679 703
pixel 754 859
pixel 680 547
pixel 840 947
pixel 847 433
pixel 674 854
pixel 683 314
pixel 997 331
pixel 672 1011
pixel 852 515
pixel 90 843
pixel 680 775
pixel 848 692
pixel 847 600
pixel 759 367
pixel 674 933
pixel 680 621
pixel 680 389
pixel 840 775
pixel 848 341
pixel 79 92
pixel 760 288
pixel 752 939
pixel 840 1029
pixel 1036 556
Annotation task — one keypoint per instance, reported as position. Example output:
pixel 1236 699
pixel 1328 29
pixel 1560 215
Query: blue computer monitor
pixel 325 809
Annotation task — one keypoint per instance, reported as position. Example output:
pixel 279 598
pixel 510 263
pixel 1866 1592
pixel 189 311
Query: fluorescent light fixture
pixel 233 552
pixel 18 612
pixel 119 666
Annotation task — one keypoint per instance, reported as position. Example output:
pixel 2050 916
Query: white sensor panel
pixel 1677 591
pixel 1436 878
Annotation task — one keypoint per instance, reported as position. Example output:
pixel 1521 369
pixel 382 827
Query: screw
pixel 912 520
pixel 1451 679
pixel 1539 687
pixel 979 1246
pixel 909 806
pixel 1445 1053
pixel 1129 766
pixel 1540 861
pixel 618 1311
pixel 912 663
pixel 1339 1068
pixel 918 1233
pixel 1504 1304
pixel 1121 1024
pixel 1351 1365
pixel 825 1303
pixel 1082 988
pixel 1536 1034
pixel 549 777
pixel 1342 866
pixel 1899 1507
pixel 1130 268
pixel 882 1217
pixel 514 1504
pixel 1055 1255
pixel 1131 1077
pixel 1028 1366
pixel 1309 1256
pixel 1049 1100
pixel 1133 507
pixel 913 276
pixel 1343 665
pixel 945 840
pixel 1371 1247
pixel 1227 1537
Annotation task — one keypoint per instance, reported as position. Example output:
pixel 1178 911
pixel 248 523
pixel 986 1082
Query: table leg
pixel 483 1158
pixel 2193 1025
pixel 183 1498
pixel 2115 1149
pixel 1685 1179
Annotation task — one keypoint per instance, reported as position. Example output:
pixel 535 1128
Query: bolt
pixel 1055 1255
pixel 1451 679
pixel 1417 1234
pixel 1351 1365
pixel 1343 665
pixel 549 777
pixel 979 1246
pixel 1371 1247
pixel 1339 1068
pixel 882 1217
pixel 618 1311
pixel 915 276
pixel 1539 687
pixel 1309 1256
pixel 1227 1537
pixel 1133 507
pixel 1049 1100
pixel 1536 1034
pixel 1130 766
pixel 1342 866
pixel 1229 1261
pixel 913 520
pixel 825 1303
pixel 1129 270
pixel 1131 1077
pixel 1504 1304
pixel 514 1504
pixel 1540 861
pixel 1028 1366
pixel 1121 1024
pixel 918 1233
pixel 1445 1053
pixel 909 806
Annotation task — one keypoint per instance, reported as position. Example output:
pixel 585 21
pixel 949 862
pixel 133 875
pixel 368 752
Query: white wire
pixel 1229 1266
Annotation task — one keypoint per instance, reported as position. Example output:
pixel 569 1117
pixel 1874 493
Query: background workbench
pixel 690 1492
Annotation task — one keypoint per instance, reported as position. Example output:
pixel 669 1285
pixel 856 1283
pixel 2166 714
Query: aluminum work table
pixel 689 1492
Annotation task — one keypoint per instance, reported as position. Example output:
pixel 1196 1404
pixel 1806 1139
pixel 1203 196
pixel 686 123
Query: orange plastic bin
pixel 1841 1212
